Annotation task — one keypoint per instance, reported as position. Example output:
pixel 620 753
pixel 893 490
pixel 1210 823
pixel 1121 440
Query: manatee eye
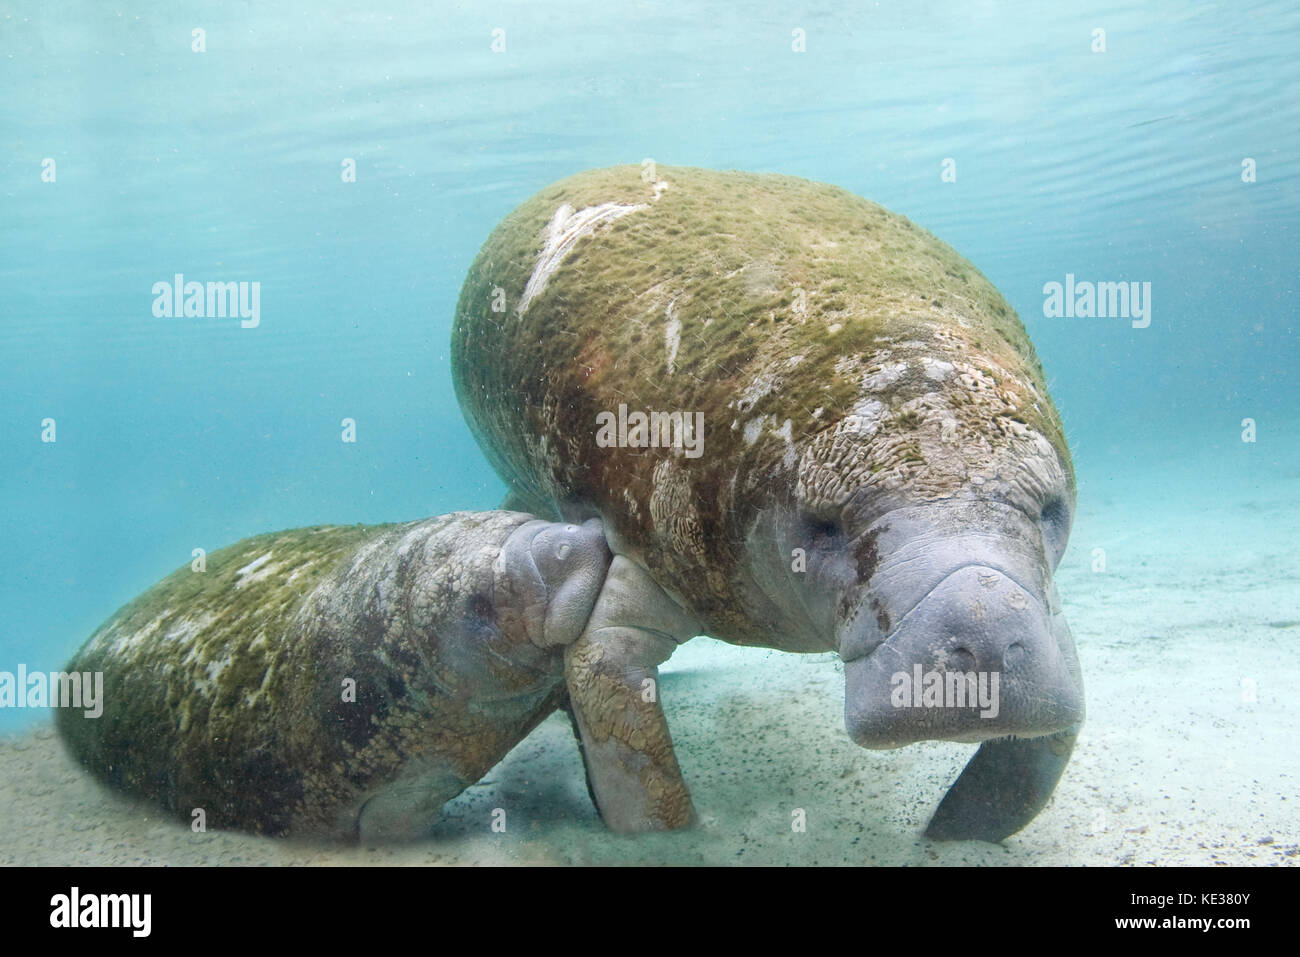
pixel 1055 522
pixel 818 528
pixel 564 547
pixel 1054 512
pixel 824 528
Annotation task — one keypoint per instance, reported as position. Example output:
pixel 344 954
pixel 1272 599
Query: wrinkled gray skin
pixel 963 586
pixel 958 586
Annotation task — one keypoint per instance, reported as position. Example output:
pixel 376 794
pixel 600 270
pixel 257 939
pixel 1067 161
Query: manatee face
pixel 942 608
pixel 959 633
pixel 564 565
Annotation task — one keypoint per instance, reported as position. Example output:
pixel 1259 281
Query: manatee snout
pixel 567 562
pixel 977 657
pixel 958 635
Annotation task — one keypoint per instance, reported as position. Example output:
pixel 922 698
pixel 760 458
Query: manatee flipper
pixel 613 682
pixel 626 746
pixel 1002 788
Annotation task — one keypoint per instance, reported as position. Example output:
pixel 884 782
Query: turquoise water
pixel 1122 165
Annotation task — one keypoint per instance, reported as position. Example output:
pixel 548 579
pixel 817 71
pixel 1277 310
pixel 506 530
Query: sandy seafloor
pixel 1176 765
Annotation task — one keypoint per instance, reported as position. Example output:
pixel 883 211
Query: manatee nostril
pixel 1015 652
pixel 962 659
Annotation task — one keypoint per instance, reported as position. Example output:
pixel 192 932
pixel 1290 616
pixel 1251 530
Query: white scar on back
pixel 672 337
pixel 565 229
pixel 254 571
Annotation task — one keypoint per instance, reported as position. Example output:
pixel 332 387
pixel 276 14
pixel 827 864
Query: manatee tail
pixel 1002 788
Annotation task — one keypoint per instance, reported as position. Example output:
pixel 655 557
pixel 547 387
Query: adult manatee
pixel 880 471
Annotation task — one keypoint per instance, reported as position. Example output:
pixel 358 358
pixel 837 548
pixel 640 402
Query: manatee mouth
pixel 979 657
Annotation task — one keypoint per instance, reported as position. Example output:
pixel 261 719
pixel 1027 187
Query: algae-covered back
pixel 828 346
pixel 196 659
pixel 247 589
pixel 706 288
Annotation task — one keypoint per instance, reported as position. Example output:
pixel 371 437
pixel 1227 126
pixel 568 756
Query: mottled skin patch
pixel 446 678
pixel 625 729
pixel 915 382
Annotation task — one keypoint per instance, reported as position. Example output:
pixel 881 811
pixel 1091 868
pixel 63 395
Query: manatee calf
pixel 340 681
pixel 804 423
